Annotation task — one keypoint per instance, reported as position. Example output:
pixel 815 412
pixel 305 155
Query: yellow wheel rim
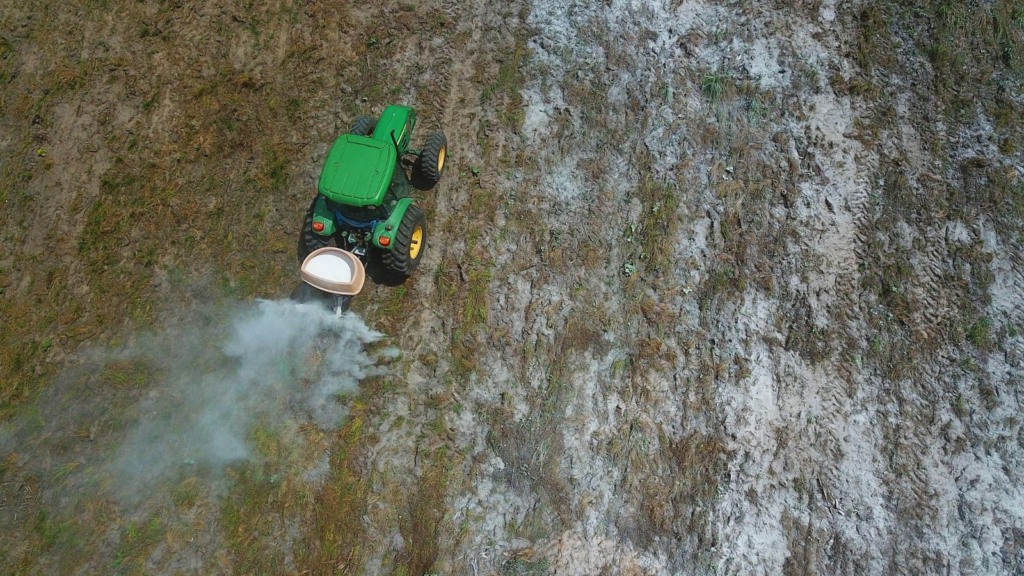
pixel 415 243
pixel 440 159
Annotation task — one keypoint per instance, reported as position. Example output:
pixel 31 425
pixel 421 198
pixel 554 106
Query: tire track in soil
pixel 805 423
pixel 919 481
pixel 458 106
pixel 459 57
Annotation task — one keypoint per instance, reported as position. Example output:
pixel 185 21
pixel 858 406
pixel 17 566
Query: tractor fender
pixel 388 228
pixel 323 215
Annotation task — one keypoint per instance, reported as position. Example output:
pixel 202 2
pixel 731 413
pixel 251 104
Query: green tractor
pixel 363 202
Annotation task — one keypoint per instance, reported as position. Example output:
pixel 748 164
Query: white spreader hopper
pixel 333 270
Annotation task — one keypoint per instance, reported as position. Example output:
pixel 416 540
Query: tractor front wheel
pixel 363 126
pixel 407 251
pixel 432 159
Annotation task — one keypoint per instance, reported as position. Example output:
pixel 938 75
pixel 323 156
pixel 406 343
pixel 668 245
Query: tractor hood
pixel 358 170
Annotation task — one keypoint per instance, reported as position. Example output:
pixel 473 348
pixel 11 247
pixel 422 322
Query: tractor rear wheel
pixel 407 250
pixel 432 159
pixel 309 240
pixel 363 126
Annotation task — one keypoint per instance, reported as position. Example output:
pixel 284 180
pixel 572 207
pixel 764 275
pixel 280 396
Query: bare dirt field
pixel 710 288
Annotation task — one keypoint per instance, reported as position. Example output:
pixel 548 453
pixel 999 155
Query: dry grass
pixel 422 526
pixel 504 90
pixel 180 138
pixel 532 448
pixel 746 179
pixel 467 265
pixel 164 203
pixel 333 542
pixel 974 52
pixel 671 490
pixel 653 240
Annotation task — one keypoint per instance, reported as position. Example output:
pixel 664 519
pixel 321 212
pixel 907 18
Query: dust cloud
pixel 272 364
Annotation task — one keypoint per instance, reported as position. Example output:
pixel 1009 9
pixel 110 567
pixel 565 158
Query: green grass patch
pixel 979 334
pixel 517 566
pixel 137 541
pixel 715 85
pixel 54 531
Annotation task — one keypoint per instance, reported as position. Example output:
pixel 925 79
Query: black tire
pixel 404 256
pixel 433 159
pixel 309 240
pixel 363 126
